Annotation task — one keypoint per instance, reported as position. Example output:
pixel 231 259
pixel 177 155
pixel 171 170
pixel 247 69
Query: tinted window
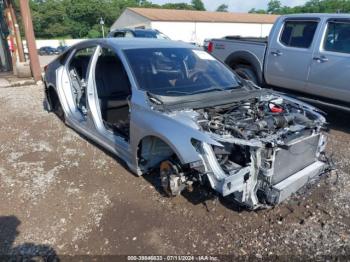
pixel 145 34
pixel 298 33
pixel 179 71
pixel 338 37
pixel 150 34
pixel 119 34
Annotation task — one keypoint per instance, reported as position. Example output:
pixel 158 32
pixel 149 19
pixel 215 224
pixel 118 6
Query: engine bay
pixel 257 118
pixel 271 120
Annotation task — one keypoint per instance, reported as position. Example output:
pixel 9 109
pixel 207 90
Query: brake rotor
pixel 170 178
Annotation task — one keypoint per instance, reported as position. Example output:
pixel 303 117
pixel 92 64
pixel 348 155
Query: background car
pixel 143 33
pixel 62 48
pixel 206 44
pixel 48 50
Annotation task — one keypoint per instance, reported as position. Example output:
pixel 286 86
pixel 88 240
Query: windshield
pixel 179 71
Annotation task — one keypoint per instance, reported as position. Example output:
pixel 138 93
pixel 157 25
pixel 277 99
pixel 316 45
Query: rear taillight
pixel 210 47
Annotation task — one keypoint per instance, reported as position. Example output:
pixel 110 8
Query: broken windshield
pixel 179 71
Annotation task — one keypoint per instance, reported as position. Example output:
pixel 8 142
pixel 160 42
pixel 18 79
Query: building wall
pixel 197 32
pixel 129 19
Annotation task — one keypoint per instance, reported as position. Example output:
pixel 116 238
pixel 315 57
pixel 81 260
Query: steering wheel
pixel 196 75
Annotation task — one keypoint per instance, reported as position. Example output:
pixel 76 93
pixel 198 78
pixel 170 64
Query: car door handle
pixel 276 53
pixel 320 59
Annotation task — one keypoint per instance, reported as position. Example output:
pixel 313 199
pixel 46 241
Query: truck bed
pixel 249 39
pixel 225 48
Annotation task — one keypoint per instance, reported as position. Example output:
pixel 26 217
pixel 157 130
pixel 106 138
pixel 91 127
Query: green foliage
pixel 274 7
pixel 93 33
pixel 179 6
pixel 312 6
pixel 198 5
pixel 80 18
pixel 257 11
pixel 222 8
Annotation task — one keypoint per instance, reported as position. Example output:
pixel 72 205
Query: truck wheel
pixel 247 73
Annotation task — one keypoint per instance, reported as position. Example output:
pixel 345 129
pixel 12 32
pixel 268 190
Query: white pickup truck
pixel 305 53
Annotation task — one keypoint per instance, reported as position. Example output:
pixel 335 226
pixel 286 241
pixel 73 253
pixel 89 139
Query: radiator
pixel 300 154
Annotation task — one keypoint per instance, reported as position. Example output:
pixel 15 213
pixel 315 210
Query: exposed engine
pixel 257 118
pixel 273 136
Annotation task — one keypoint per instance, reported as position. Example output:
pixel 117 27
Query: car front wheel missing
pixel 172 180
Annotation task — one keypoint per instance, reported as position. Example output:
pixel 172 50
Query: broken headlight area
pixel 276 142
pixel 232 157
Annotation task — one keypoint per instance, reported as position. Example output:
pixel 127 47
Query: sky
pixel 235 5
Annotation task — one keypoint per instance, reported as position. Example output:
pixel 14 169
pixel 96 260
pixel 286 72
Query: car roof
pixel 137 43
pixel 317 15
pixel 136 30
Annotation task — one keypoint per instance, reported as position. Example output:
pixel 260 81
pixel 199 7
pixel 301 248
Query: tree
pixel 311 6
pixel 222 8
pixel 274 7
pixel 179 6
pixel 198 5
pixel 257 11
pixel 80 18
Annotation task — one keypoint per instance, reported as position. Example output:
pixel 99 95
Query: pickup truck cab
pixel 306 53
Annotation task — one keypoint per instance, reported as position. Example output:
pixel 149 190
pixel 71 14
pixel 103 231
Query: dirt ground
pixel 62 195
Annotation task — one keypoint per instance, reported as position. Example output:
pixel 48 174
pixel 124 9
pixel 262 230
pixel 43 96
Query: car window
pixel 298 33
pixel 146 34
pixel 119 34
pixel 80 62
pixel 128 35
pixel 337 38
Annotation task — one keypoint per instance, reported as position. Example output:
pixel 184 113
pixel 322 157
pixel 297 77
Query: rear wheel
pixel 247 73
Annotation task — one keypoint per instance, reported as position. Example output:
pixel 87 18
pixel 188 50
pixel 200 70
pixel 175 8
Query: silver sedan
pixel 169 106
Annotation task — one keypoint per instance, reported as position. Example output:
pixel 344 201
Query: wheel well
pixel 152 151
pixel 52 97
pixel 239 61
pixel 247 59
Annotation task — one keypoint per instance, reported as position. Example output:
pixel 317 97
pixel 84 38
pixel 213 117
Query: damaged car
pixel 172 109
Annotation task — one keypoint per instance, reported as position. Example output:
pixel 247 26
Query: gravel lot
pixel 61 194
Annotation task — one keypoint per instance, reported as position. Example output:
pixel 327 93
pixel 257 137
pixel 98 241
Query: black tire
pixel 247 73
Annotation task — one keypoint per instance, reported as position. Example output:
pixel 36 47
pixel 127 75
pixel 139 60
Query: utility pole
pixel 30 37
pixel 102 23
pixel 17 32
